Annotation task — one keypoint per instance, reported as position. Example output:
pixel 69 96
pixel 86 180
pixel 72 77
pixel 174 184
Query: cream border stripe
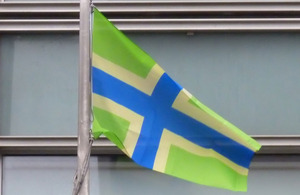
pixel 168 138
pixel 135 120
pixel 145 85
pixel 181 103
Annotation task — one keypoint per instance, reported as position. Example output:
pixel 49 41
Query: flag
pixel 156 122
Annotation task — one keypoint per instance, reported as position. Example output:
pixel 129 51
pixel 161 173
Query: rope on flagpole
pixel 79 177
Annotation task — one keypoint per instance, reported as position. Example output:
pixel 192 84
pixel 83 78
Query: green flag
pixel 156 122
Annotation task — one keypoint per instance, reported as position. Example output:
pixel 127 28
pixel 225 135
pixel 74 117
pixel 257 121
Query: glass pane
pixel 119 179
pixel 38 84
pixel 38 175
pixel 114 176
pixel 251 79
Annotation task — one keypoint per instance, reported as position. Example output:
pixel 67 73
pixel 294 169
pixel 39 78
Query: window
pixel 239 58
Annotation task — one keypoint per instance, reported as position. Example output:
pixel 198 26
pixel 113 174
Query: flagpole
pixel 84 102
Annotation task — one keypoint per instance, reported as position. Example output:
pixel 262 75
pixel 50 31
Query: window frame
pixel 152 16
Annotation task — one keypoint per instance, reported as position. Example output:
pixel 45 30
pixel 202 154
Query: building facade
pixel 240 58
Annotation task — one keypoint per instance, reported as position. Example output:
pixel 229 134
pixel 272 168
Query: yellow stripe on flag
pixel 145 85
pixel 135 120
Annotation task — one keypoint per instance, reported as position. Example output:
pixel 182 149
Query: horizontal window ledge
pixel 277 151
pixel 70 25
pixel 12 145
pixel 279 144
pixel 156 7
pixel 157 25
